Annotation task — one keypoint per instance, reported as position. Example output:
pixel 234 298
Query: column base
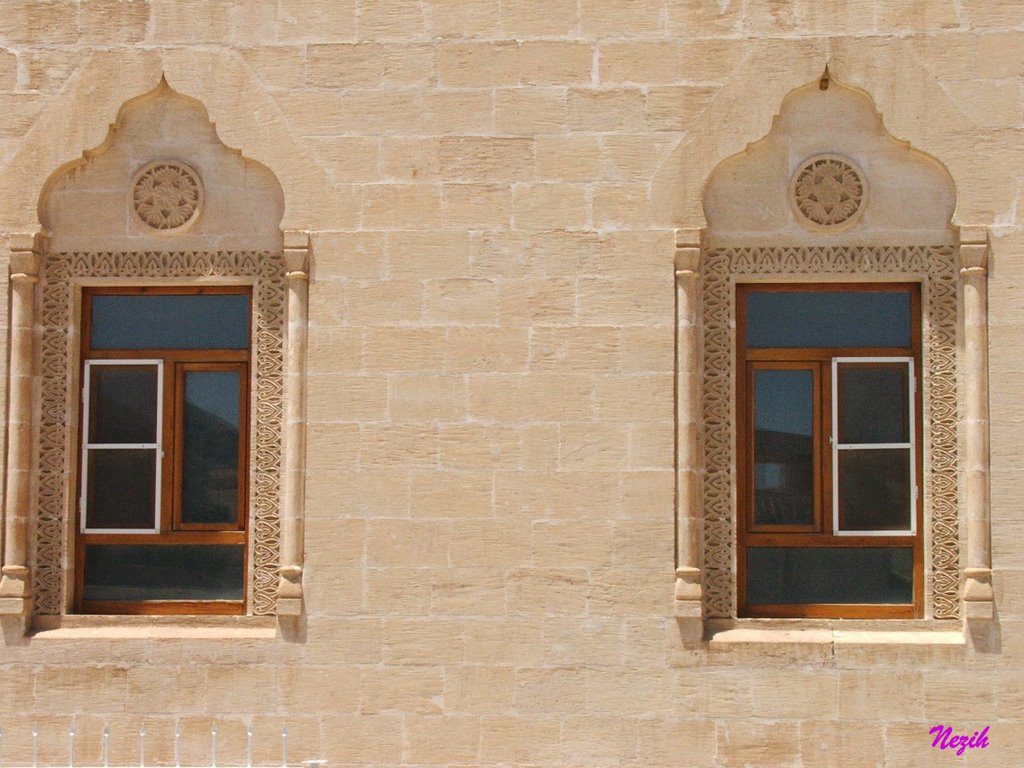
pixel 289 591
pixel 979 598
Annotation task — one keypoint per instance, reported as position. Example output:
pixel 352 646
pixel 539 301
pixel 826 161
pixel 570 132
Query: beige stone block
pixel 427 641
pixel 578 349
pixel 483 543
pixel 107 22
pixel 632 253
pixel 599 740
pixel 404 349
pixel 568 158
pixel 609 19
pixel 476 206
pixel 361 739
pixel 946 692
pixel 407 543
pixel 397 591
pixel 645 643
pixel 462 65
pixel 542 495
pixel 529 111
pixel 678 107
pixel 478 446
pixel 342 65
pixel 415 397
pixel 630 158
pixel 882 694
pixel 641 63
pixel 531 254
pixel 195 743
pixel 540 447
pixel 621 691
pixel 467 592
pixel 547 592
pixel 503 641
pixel 433 255
pixel 439 739
pixel 335 349
pixel 458 111
pixel 460 300
pixel 355 640
pixel 621 205
pixel 281 67
pixel 462 18
pixel 582 641
pixel 564 543
pixel 757 743
pixel 630 592
pixel 79 690
pixel 524 18
pixel 384 302
pixel 446 494
pixel 999 54
pixel 404 445
pixel 675 741
pixel 835 17
pixel 479 690
pixel 551 690
pixel 415 689
pixel 155 690
pixel 302 20
pixel 8 70
pixel 313 113
pixel 824 744
pixel 705 60
pixel 646 349
pixel 410 158
pixel 543 397
pixel 540 302
pixel 555 63
pixel 593 446
pixel 625 302
pixel 764 18
pixel 634 398
pixel 380 111
pixel 784 694
pixel 45 70
pixel 401 206
pixel 408 64
pixel 367 493
pixel 390 19
pixel 330 447
pixel 485 158
pixel 990 13
pixel 917 16
pixel 217 21
pixel 477 350
pixel 520 739
pixel 642 543
pixel 19 113
pixel 551 206
pixel 50 747
pixel 52 21
pixel 266 736
pixel 340 542
pixel 245 690
pixel 989 103
pixel 606 110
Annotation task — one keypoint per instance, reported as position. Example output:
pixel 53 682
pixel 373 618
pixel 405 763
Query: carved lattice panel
pixel 59 353
pixel 936 267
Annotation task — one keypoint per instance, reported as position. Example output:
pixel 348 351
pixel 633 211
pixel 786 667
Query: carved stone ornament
pixel 828 193
pixel 167 196
pixel 935 266
pixel 59 356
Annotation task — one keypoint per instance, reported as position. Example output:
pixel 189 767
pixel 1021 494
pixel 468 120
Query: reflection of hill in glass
pixel 784 478
pixel 210 468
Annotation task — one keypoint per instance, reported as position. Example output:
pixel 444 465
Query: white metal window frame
pixel 837 446
pixel 87 446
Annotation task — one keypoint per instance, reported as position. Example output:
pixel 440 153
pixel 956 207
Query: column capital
pixel 25 252
pixel 297 248
pixel 974 249
pixel 688 249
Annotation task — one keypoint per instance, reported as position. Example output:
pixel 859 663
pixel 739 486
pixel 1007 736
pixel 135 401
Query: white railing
pixel 105 763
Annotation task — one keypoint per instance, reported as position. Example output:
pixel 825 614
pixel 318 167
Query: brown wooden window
pixel 829 450
pixel 163 471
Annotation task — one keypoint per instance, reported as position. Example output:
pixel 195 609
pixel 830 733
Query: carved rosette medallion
pixel 167 196
pixel 828 193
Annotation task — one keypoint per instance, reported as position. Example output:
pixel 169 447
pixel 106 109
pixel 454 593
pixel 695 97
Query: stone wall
pixel 492 190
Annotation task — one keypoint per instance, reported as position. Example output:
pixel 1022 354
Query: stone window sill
pixel 153 627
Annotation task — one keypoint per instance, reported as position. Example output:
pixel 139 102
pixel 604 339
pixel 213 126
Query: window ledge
pixel 838 635
pixel 153 627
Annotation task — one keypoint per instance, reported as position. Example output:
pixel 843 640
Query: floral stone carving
pixel 166 195
pixel 828 192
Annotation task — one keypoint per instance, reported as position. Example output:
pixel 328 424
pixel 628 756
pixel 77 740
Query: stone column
pixel 289 586
pixel 979 601
pixel 688 422
pixel 15 586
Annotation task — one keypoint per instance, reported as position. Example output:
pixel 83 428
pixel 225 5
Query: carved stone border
pixel 937 267
pixel 61 271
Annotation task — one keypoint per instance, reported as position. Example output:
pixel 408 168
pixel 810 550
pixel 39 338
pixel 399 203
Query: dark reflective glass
pixel 828 319
pixel 874 489
pixel 805 575
pixel 169 572
pixel 873 403
pixel 209 491
pixel 173 321
pixel 122 403
pixel 121 488
pixel 783 447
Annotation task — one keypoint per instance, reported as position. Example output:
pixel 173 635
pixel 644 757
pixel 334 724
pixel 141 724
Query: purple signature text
pixel 944 739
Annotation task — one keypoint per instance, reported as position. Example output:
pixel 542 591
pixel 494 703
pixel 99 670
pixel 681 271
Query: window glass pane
pixel 169 572
pixel 804 575
pixel 175 321
pixel 209 492
pixel 122 403
pixel 874 489
pixel 121 488
pixel 828 319
pixel 873 403
pixel 783 447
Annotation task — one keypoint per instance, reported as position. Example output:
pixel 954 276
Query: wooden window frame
pixel 821 534
pixel 174 364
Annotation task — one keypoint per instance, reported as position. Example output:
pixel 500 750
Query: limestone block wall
pixel 492 190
